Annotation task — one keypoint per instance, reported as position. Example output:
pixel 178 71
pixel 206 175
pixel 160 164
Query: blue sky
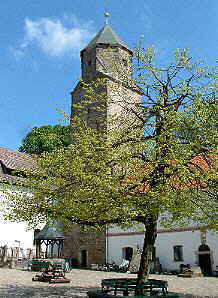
pixel 41 39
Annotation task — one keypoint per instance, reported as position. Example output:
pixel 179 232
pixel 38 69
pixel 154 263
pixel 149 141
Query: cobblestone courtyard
pixel 18 283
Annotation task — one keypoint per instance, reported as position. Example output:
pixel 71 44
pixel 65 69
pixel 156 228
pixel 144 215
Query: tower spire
pixel 106 15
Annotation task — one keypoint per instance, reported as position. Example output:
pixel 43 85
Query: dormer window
pixel 5 169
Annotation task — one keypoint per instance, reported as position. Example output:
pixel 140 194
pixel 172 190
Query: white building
pixel 13 234
pixel 187 245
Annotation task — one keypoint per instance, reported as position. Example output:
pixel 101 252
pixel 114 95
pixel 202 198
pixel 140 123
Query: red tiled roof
pixel 14 160
pixel 200 163
pixel 203 161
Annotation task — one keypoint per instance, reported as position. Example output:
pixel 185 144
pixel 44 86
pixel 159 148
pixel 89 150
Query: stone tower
pixel 106 56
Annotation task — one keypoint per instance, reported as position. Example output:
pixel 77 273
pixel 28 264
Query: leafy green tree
pixel 45 139
pixel 154 162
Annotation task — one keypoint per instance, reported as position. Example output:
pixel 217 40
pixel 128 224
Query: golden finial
pixel 106 15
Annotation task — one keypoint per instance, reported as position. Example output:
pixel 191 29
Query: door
pixel 84 258
pixel 205 259
pixel 127 253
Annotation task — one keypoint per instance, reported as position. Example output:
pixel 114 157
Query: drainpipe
pixel 106 244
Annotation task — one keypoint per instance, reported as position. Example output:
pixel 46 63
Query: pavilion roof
pixel 53 230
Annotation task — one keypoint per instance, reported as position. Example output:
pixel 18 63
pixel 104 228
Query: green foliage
pixel 46 139
pixel 153 159
pixel 133 161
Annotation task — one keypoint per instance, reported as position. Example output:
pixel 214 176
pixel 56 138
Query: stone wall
pixel 93 243
pixel 111 60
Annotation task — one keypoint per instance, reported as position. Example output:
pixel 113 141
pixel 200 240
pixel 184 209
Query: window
pixel 127 253
pixel 178 253
pixel 125 63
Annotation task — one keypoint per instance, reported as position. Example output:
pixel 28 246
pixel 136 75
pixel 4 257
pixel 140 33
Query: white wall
pixel 116 243
pixel 10 231
pixel 190 240
pixel 164 248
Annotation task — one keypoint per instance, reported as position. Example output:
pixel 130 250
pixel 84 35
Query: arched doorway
pixel 205 259
pixel 127 253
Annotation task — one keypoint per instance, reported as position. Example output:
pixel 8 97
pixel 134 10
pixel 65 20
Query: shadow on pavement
pixel 45 291
pixel 57 291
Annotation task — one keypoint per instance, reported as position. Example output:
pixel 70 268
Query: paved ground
pixel 18 283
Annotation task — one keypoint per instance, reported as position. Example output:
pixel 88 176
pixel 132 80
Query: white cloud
pixel 55 37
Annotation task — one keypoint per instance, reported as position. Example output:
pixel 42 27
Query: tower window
pixel 125 62
pixel 89 62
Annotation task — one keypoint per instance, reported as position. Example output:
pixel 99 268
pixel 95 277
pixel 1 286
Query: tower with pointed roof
pixel 106 56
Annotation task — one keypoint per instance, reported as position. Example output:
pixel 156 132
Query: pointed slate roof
pixel 107 36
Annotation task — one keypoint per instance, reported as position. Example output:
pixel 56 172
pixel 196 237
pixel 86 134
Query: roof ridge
pixel 14 151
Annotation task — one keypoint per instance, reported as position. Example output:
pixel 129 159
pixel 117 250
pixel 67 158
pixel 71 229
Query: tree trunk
pixel 146 257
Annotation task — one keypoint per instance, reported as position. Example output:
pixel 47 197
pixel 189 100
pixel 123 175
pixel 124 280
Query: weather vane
pixel 106 15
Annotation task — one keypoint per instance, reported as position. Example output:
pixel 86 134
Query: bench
pixel 40 264
pixel 100 294
pixel 129 285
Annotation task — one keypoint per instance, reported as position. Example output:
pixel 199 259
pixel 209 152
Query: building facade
pixel 193 245
pixel 14 235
